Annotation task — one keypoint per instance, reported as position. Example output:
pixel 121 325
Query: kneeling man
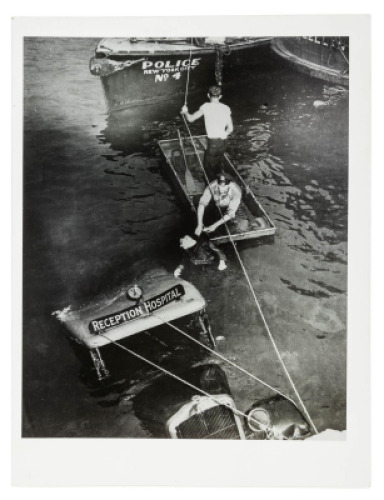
pixel 222 193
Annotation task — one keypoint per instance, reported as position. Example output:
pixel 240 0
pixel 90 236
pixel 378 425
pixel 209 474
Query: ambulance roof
pixel 114 317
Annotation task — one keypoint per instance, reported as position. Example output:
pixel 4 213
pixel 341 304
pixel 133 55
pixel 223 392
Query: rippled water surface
pixel 97 207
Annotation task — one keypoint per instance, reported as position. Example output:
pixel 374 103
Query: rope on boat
pixel 219 63
pixel 342 53
pixel 180 379
pixel 225 359
pixel 188 71
pixel 252 289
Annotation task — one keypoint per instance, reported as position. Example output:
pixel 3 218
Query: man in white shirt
pixel 218 126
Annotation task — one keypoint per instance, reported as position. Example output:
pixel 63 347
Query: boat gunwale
pixel 186 49
pixel 313 69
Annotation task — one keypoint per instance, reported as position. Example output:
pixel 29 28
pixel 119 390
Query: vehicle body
pixel 277 418
pixel 322 57
pixel 251 219
pixel 147 305
pixel 142 71
pixel 167 408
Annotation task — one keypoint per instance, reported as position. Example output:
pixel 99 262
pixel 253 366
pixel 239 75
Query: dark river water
pixel 97 207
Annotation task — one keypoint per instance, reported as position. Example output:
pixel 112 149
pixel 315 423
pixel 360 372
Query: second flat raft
pixel 251 219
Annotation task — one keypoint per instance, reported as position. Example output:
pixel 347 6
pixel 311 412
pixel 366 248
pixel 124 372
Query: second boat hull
pixel 321 57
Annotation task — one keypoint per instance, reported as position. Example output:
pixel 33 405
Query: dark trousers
pixel 214 157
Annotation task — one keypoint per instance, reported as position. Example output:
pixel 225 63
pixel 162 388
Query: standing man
pixel 218 126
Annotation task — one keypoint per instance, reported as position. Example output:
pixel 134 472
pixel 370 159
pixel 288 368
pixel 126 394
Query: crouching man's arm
pixel 220 222
pixel 204 200
pixel 200 216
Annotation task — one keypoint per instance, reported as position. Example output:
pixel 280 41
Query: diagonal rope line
pixel 217 354
pixel 342 53
pixel 253 292
pixel 180 379
pixel 188 72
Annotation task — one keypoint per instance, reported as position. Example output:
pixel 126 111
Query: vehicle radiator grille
pixel 216 423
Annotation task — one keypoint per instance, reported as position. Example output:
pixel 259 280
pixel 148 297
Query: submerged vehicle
pixel 151 304
pixel 142 71
pixel 322 57
pixel 183 160
pixel 277 418
pixel 203 408
pixel 168 408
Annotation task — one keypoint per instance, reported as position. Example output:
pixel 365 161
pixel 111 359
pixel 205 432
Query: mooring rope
pixel 188 71
pixel 219 65
pixel 342 53
pixel 217 354
pixel 252 289
pixel 180 379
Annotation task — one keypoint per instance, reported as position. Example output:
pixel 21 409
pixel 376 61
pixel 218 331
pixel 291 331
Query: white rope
pixel 176 377
pixel 224 358
pixel 342 53
pixel 188 71
pixel 253 292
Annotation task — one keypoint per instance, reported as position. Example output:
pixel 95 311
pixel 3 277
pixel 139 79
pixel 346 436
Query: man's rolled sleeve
pixel 206 197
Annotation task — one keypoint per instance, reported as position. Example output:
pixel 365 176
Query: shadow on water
pixel 139 128
pixel 128 374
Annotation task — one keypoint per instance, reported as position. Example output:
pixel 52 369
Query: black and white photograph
pixel 185 236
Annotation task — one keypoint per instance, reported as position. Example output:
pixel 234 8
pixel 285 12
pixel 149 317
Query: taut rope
pixel 225 359
pixel 176 377
pixel 188 72
pixel 253 291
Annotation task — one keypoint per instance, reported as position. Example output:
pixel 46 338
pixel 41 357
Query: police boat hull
pixel 251 221
pixel 137 72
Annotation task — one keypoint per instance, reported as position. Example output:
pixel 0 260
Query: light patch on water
pixel 324 319
pixel 291 359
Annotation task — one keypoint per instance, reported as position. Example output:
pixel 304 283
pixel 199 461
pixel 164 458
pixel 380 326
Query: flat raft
pixel 251 219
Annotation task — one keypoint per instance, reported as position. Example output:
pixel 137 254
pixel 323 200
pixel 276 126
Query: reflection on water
pixel 97 203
